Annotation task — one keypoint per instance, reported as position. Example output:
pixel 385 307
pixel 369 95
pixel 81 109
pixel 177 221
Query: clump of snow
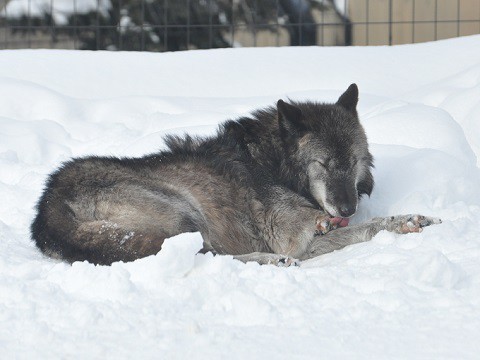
pixel 412 296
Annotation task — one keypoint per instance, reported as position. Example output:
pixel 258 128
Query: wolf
pixel 276 187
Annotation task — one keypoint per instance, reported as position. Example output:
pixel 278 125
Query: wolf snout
pixel 347 210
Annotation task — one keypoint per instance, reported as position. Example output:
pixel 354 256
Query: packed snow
pixel 414 296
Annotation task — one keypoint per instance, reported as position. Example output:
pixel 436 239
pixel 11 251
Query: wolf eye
pixel 322 164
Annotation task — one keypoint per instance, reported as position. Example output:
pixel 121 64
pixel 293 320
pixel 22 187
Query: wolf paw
pixel 324 224
pixel 404 224
pixel 288 261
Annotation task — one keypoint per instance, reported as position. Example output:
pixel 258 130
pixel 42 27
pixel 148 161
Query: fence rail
pixel 169 25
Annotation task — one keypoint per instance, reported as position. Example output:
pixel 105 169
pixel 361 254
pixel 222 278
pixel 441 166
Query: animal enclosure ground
pixel 412 296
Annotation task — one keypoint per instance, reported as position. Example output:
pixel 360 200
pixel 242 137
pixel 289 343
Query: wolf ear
pixel 365 185
pixel 349 98
pixel 289 119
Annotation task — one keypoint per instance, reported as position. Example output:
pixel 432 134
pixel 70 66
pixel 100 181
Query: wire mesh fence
pixel 170 25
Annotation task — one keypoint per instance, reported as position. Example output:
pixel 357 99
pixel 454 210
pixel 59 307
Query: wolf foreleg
pixel 341 237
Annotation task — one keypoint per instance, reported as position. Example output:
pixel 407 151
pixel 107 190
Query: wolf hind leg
pixel 104 242
pixel 128 222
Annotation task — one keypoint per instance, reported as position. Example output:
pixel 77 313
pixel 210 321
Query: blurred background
pixel 172 25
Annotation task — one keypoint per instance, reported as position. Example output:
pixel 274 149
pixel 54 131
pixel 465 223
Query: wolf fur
pixel 268 188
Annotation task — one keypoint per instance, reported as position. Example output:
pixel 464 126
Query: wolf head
pixel 331 148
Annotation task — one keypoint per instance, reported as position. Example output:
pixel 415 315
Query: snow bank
pixel 413 296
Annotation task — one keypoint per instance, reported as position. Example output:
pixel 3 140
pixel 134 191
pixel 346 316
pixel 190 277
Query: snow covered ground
pixel 415 296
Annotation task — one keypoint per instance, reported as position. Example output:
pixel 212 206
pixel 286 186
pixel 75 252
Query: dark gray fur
pixel 262 189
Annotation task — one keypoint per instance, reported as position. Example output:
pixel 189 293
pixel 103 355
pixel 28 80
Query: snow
pixel 60 9
pixel 341 5
pixel 415 296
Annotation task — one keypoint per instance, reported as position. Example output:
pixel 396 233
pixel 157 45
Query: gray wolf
pixel 274 187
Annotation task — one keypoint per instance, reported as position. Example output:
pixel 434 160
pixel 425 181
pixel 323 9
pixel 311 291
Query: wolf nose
pixel 347 210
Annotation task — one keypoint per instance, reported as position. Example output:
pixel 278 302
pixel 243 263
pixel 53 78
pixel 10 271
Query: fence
pixel 169 25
